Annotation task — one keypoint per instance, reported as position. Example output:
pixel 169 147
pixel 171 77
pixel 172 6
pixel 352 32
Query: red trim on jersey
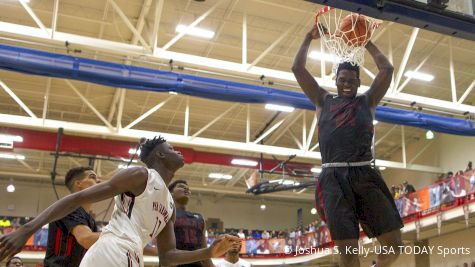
pixel 57 242
pixel 69 247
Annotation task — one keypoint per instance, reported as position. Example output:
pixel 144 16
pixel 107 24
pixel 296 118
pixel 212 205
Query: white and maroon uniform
pixel 135 222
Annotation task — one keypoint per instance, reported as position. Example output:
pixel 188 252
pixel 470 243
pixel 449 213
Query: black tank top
pixel 345 129
pixel 189 227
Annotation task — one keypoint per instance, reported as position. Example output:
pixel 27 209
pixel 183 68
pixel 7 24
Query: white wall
pixel 455 151
pixel 29 199
pixel 455 240
pixel 246 213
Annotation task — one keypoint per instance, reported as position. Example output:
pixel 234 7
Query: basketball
pixel 355 30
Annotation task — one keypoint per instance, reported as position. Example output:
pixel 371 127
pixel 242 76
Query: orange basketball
pixel 355 29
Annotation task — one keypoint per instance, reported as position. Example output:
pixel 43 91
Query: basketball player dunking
pixel 143 210
pixel 348 188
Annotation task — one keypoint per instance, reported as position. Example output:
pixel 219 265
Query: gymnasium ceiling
pixel 267 22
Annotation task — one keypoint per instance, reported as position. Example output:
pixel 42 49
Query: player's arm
pixel 150 250
pixel 204 244
pixel 131 180
pixel 85 236
pixel 309 85
pixel 382 81
pixel 170 256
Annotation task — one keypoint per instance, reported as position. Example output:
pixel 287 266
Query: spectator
pixel 265 235
pixel 450 174
pixel 241 234
pixel 408 188
pixel 256 234
pixel 469 167
pixel 231 258
pixel 14 262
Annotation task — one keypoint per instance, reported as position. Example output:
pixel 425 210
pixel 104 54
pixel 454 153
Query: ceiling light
pixel 11 156
pixel 214 175
pixel 313 211
pixel 316 170
pixel 10 138
pixel 375 122
pixel 10 188
pixel 124 166
pixel 419 76
pixel 133 151
pixel 382 168
pixel 327 57
pixel 280 108
pixel 429 135
pixel 128 160
pixel 263 206
pixel 195 31
pixel 288 182
pixel 244 162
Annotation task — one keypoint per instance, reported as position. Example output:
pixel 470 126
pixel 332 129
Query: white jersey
pixel 140 219
pixel 225 263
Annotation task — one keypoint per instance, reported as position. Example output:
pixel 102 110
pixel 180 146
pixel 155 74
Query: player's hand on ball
pixel 222 244
pixel 12 243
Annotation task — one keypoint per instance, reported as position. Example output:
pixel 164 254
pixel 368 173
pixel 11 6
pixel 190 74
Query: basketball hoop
pixel 346 35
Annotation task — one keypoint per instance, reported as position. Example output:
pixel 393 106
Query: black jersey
pixel 189 231
pixel 63 249
pixel 345 129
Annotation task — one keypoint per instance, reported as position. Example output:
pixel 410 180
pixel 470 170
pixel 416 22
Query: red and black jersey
pixel 189 227
pixel 63 249
pixel 345 129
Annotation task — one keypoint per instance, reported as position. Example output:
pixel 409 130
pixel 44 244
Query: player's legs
pixel 377 212
pixel 391 239
pixel 112 251
pixel 348 252
pixel 339 207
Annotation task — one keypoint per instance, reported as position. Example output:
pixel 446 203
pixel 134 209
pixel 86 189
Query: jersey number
pixel 156 227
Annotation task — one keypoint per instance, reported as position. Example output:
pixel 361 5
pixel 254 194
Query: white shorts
pixel 112 251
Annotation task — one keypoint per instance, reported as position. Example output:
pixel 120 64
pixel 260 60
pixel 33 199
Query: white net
pixel 346 34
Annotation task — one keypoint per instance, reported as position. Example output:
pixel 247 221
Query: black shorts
pixel 346 196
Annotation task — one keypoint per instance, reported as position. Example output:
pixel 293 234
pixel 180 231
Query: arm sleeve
pixel 74 219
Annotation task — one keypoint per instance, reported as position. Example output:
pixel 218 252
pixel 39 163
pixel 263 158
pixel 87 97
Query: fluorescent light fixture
pixel 11 156
pixel 313 211
pixel 280 108
pixel 10 188
pixel 215 175
pixel 133 151
pixel 10 138
pixel 124 166
pixel 316 170
pixel 244 162
pixel 327 57
pixel 375 122
pixel 429 135
pixel 288 182
pixel 127 160
pixel 382 168
pixel 263 207
pixel 419 75
pixel 195 31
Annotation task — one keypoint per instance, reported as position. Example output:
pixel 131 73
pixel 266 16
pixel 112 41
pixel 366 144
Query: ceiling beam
pixel 132 134
pixel 116 48
pixel 17 99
